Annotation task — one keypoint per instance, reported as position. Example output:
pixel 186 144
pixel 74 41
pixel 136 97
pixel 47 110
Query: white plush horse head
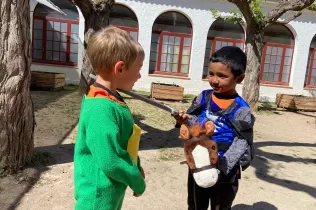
pixel 201 153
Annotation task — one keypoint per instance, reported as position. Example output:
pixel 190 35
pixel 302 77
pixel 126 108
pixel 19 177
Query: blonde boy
pixel 103 168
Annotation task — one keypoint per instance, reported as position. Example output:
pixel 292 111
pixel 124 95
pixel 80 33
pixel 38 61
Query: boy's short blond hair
pixel 110 45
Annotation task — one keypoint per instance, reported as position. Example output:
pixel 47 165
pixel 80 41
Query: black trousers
pixel 199 198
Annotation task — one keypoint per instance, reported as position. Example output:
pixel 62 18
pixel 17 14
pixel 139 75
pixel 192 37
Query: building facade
pixel 178 37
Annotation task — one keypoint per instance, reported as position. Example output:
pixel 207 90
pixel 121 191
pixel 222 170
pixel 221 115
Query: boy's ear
pixel 118 67
pixel 184 132
pixel 240 78
pixel 210 128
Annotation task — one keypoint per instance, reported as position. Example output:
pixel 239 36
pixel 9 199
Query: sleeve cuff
pixel 223 165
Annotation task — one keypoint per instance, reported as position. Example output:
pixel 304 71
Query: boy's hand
pixel 136 195
pixel 181 117
pixel 143 174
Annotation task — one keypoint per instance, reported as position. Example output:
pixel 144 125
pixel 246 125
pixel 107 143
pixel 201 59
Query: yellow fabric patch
pixel 133 143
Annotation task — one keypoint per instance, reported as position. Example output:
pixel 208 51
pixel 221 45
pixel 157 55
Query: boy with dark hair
pixel 234 128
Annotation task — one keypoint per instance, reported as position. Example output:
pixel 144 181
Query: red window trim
pixel 213 47
pixel 178 73
pixel 128 29
pixel 310 69
pixel 281 65
pixel 43 60
pixel 56 19
pixel 235 41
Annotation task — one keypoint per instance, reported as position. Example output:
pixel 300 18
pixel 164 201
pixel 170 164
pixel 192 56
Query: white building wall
pixel 201 19
pixel 198 12
pixel 72 74
pixel 303 28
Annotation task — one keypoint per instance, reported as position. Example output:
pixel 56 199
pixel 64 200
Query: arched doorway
pixel 222 33
pixel 55 36
pixel 277 55
pixel 171 45
pixel 124 18
pixel 310 79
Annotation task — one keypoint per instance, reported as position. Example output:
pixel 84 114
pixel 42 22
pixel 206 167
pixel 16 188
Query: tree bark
pixel 16 107
pixel 254 47
pixel 96 14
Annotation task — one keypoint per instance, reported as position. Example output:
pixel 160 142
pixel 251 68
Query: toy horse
pixel 201 153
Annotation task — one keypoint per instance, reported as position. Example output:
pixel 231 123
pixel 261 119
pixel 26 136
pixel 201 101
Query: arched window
pixel 310 79
pixel 277 55
pixel 55 36
pixel 124 18
pixel 171 45
pixel 222 33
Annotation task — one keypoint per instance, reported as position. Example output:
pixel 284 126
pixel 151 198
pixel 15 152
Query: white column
pixel 201 24
pixel 81 41
pixel 303 37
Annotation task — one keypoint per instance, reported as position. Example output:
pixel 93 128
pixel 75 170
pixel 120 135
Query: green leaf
pixel 256 8
pixel 312 7
pixel 236 17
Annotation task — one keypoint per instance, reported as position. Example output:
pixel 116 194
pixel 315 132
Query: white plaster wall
pixel 201 19
pixel 146 11
pixel 72 74
pixel 304 28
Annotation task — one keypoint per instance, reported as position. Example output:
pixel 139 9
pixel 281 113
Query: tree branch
pixel 285 6
pixel 85 7
pixel 291 16
pixel 245 10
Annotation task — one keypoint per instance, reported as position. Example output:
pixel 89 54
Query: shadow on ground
pixel 48 148
pixel 256 206
pixel 53 152
pixel 155 138
pixel 261 165
pixel 271 107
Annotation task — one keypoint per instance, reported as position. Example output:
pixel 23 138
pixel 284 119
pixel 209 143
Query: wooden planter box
pixel 166 91
pixel 49 80
pixel 296 102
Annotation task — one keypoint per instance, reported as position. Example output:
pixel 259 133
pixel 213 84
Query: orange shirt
pixel 222 103
pixel 100 91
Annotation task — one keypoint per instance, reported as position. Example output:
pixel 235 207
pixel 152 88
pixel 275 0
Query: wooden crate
pixel 166 91
pixel 49 80
pixel 296 102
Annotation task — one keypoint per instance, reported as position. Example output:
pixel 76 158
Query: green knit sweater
pixel 102 166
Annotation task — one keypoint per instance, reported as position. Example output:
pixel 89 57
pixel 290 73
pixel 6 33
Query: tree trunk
pixel 254 47
pixel 96 16
pixel 16 107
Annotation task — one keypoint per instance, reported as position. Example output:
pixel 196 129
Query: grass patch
pixel 39 159
pixel 268 108
pixel 71 87
pixel 162 148
pixel 189 96
pixel 141 92
pixel 2 172
pixel 167 154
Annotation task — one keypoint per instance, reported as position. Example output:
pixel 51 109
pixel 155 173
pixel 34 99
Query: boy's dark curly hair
pixel 233 57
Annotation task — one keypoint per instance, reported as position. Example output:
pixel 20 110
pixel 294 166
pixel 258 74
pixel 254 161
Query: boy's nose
pixel 215 80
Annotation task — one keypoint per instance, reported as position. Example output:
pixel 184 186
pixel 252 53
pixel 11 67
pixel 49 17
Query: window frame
pixel 44 31
pixel 178 73
pixel 129 29
pixel 279 82
pixel 310 69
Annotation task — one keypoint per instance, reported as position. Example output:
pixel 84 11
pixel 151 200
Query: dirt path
pixel 282 175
